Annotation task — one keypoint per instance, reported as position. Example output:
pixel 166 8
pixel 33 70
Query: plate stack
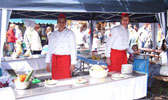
pixel 126 68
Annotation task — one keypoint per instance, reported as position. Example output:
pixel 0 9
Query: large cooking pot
pixel 141 63
pixel 141 56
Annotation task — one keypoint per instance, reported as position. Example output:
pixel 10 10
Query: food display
pixel 20 82
pixel 23 81
pixel 117 76
pixel 81 80
pixel 98 71
pixel 21 78
pixel 50 82
pixel 22 85
pixel 24 77
pixel 28 76
pixel 94 57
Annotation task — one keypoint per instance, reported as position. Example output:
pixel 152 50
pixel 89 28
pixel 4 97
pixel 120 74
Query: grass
pixel 160 90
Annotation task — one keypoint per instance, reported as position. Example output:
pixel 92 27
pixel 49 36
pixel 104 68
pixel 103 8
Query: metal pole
pixel 3 31
pixel 165 23
pixel 91 35
pixel 154 33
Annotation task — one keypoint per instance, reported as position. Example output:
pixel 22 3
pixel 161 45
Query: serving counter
pixel 132 86
pixel 35 62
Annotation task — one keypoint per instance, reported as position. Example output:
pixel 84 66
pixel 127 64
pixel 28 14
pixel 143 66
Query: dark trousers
pixel 154 69
pixel 36 52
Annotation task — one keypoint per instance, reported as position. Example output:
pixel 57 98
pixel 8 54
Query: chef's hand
pixel 48 67
pixel 108 61
pixel 72 67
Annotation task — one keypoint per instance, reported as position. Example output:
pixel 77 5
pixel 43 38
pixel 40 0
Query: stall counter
pixel 36 62
pixel 133 86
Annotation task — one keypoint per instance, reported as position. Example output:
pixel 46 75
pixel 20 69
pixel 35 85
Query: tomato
pixel 22 77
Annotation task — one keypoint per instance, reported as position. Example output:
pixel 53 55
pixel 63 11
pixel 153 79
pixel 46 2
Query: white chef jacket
pixel 62 43
pixel 80 39
pixel 119 40
pixel 163 59
pixel 18 35
pixel 28 36
pixel 35 41
pixel 48 34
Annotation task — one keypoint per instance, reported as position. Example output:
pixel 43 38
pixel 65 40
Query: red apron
pixel 61 66
pixel 118 57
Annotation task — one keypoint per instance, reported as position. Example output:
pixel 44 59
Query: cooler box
pixel 141 63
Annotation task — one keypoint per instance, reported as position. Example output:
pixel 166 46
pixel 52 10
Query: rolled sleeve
pixel 72 44
pixel 130 50
pixel 109 42
pixel 108 47
pixel 49 52
pixel 48 57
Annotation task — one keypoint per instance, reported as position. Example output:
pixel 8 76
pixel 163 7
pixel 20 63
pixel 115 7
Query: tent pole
pixel 165 23
pixel 3 30
pixel 91 35
pixel 0 37
pixel 154 30
pixel 162 18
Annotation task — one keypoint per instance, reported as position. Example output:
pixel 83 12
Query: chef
pixel 61 51
pixel 118 44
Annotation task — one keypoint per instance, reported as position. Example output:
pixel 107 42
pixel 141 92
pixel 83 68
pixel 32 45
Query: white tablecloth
pixel 127 89
pixel 24 64
pixel 7 94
